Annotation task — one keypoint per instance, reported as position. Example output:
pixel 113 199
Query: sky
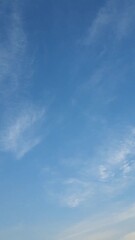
pixel 67 120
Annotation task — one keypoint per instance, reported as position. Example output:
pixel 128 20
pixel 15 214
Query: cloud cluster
pixel 108 174
pixel 119 160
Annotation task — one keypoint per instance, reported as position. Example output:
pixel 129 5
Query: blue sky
pixel 67 126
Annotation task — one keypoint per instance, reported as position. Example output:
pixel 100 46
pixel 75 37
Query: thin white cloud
pixel 108 226
pixel 74 192
pixel 19 136
pixel 129 236
pixel 103 172
pixel 118 161
pixel 67 191
pixel 13 47
pixel 18 127
pixel 112 168
pixel 113 19
pixel 126 214
pixel 108 234
pixel 107 174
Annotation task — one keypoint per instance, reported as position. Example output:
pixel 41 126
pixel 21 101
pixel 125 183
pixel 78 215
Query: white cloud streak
pixel 18 137
pixel 113 19
pixel 18 126
pixel 119 161
pixel 13 49
pixel 109 226
pixel 107 175
pixel 129 236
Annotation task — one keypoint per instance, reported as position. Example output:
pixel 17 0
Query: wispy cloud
pixel 129 236
pixel 108 174
pixel 18 126
pixel 118 161
pixel 100 235
pixel 67 192
pixel 76 192
pixel 13 49
pixel 107 226
pixel 113 20
pixel 19 136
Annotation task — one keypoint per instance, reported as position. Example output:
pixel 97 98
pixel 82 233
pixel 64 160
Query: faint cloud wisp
pixel 19 137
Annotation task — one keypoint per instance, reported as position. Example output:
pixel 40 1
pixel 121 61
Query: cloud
pixel 103 172
pixel 128 213
pixel 118 161
pixel 13 48
pixel 76 192
pixel 113 20
pixel 130 236
pixel 19 136
pixel 107 226
pixel 108 234
pixel 68 192
pixel 107 174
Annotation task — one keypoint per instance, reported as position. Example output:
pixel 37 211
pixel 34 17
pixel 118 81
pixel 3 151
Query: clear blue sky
pixel 67 120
